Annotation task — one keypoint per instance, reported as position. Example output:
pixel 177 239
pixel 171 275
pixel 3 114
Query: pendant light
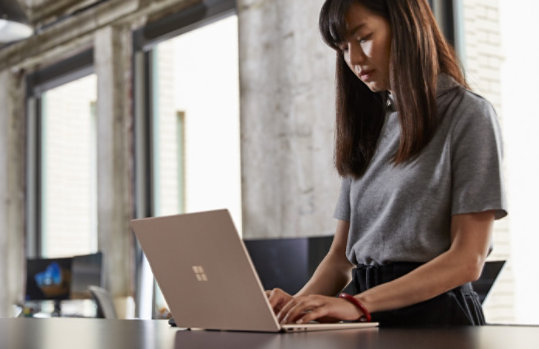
pixel 13 22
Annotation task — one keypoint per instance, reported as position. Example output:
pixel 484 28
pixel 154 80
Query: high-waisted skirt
pixel 457 307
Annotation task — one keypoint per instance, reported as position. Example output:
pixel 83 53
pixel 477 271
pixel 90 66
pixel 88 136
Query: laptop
pixel 207 277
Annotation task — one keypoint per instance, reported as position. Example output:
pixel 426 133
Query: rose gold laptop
pixel 207 277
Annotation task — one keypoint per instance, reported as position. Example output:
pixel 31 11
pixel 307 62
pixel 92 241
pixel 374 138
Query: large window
pixel 492 39
pixel 500 56
pixel 187 129
pixel 62 160
pixel 195 102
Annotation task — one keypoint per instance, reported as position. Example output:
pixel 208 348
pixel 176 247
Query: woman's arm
pixel 334 272
pixel 463 262
pixel 331 275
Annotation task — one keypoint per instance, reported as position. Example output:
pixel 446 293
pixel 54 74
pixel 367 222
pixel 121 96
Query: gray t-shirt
pixel 403 213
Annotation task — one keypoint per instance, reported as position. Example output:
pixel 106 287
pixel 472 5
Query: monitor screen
pixel 86 271
pixel 48 279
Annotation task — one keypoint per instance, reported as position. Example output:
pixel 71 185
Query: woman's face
pixel 367 46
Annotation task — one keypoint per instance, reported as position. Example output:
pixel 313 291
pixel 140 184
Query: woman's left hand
pixel 303 309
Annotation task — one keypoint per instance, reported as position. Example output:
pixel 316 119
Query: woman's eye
pixel 363 39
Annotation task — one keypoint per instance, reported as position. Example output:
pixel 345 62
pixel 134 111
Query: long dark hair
pixel 419 53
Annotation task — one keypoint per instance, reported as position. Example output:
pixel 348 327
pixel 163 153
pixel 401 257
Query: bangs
pixel 332 18
pixel 331 22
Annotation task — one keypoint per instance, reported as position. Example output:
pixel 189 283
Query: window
pixel 501 64
pixel 62 171
pixel 188 130
pixel 490 38
pixel 195 119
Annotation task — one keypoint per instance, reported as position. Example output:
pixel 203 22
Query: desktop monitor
pixel 86 271
pixel 48 279
pixel 63 278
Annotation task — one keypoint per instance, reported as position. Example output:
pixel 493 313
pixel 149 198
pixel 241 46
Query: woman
pixel 420 157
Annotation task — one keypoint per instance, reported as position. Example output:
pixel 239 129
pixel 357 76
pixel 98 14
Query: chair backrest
pixel 287 263
pixel 490 273
pixel 104 301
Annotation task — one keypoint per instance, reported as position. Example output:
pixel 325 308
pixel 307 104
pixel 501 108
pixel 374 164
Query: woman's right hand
pixel 278 299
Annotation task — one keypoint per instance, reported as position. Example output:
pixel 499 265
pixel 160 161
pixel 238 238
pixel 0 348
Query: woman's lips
pixel 366 75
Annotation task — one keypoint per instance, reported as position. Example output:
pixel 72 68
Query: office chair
pixel 490 273
pixel 288 263
pixel 105 304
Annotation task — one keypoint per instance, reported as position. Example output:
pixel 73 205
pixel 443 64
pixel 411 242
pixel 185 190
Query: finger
pixel 303 306
pixel 277 308
pixel 273 300
pixel 312 315
pixel 296 312
pixel 286 308
pixel 273 297
pixel 276 297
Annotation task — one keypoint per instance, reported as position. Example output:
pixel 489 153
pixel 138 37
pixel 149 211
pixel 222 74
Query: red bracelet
pixel 366 315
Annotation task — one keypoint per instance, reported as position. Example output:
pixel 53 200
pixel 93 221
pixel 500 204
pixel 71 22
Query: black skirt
pixel 457 307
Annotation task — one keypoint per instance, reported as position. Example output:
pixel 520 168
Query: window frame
pixel 62 72
pixel 448 14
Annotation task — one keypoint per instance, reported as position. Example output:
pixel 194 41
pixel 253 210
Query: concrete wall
pixel 287 89
pixel 114 162
pixel 11 189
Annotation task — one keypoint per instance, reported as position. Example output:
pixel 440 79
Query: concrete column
pixel 112 64
pixel 11 191
pixel 289 183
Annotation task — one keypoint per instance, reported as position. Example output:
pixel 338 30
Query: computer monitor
pixel 86 270
pixel 63 278
pixel 287 263
pixel 48 279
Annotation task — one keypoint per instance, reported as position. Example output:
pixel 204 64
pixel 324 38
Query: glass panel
pixel 68 169
pixel 501 62
pixel 196 148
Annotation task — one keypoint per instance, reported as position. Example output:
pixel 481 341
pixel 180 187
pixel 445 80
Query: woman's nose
pixel 357 56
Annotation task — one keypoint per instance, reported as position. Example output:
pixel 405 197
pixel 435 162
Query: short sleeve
pixel 342 210
pixel 476 161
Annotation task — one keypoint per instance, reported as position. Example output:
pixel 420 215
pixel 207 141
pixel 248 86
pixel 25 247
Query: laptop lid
pixel 204 272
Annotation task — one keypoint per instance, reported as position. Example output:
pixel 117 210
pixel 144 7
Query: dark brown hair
pixel 419 53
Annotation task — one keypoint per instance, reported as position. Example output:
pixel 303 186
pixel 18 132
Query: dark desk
pixel 62 333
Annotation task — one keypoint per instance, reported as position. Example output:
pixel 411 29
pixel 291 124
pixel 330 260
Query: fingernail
pixel 300 321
